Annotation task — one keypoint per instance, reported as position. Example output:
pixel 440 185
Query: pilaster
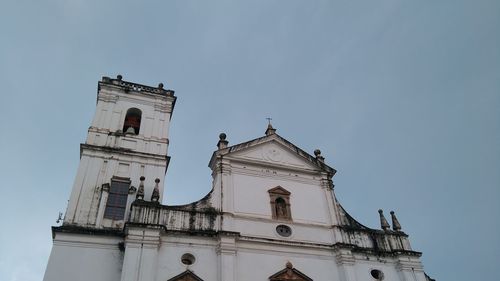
pixel 226 251
pixel 410 269
pixel 226 194
pixel 327 185
pixel 141 254
pixel 345 261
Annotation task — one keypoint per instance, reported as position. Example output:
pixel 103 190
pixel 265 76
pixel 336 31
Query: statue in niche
pixel 281 211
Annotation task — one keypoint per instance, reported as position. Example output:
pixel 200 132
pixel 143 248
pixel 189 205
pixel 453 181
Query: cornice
pixel 265 164
pixel 269 172
pixel 403 265
pixel 123 151
pixel 282 242
pixel 344 257
pixel 140 137
pixel 266 219
pixel 87 230
pixel 131 87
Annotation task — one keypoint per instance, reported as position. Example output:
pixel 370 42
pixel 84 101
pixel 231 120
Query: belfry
pixel 271 215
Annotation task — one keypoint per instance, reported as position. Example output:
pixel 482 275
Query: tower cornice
pixel 127 86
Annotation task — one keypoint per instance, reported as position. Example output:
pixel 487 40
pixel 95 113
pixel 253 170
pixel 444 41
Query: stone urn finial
pixel 140 191
pixel 155 197
pixel 396 226
pixel 383 222
pixel 222 141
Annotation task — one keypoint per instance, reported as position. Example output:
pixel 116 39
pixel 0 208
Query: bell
pixel 130 130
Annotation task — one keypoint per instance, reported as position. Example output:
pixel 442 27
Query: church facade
pixel 271 214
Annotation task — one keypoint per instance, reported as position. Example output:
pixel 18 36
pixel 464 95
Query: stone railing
pixel 138 87
pixel 147 213
pixel 376 240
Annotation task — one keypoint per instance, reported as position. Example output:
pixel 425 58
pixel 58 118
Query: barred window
pixel 117 200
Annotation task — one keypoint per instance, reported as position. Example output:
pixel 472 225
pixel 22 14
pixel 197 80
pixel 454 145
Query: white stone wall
pixel 80 257
pixel 172 249
pixel 259 265
pixel 154 255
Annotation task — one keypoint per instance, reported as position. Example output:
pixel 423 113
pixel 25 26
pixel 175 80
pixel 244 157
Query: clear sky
pixel 402 97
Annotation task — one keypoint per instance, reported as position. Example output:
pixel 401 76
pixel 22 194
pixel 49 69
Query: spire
pixel 140 192
pixel 383 222
pixel 395 223
pixel 270 130
pixel 222 141
pixel 156 191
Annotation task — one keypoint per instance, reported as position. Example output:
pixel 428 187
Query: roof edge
pixel 237 147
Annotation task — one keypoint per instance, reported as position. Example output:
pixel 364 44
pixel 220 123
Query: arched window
pixel 132 122
pixel 280 203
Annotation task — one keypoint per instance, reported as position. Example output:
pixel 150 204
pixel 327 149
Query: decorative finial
pixel 383 222
pixel 140 192
pixel 59 218
pixel 395 223
pixel 289 265
pixel 160 86
pixel 317 153
pixel 156 191
pixel 270 130
pixel 222 141
pixel 119 77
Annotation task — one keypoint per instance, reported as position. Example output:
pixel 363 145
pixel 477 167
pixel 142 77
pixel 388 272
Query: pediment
pixel 279 190
pixel 187 275
pixel 272 150
pixel 274 153
pixel 289 274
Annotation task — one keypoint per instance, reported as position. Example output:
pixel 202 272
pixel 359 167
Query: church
pixel 271 214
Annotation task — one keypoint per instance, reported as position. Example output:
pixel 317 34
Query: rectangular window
pixel 117 200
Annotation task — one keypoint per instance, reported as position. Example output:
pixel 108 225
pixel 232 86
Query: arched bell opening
pixel 132 123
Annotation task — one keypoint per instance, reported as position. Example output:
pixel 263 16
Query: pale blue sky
pixel 402 97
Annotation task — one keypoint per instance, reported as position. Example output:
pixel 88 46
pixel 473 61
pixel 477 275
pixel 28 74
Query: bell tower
pixel 124 155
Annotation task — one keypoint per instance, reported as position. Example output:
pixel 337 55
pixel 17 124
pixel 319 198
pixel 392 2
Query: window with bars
pixel 117 200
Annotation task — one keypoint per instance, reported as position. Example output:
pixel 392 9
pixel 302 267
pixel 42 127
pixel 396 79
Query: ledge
pixel 357 249
pixel 86 230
